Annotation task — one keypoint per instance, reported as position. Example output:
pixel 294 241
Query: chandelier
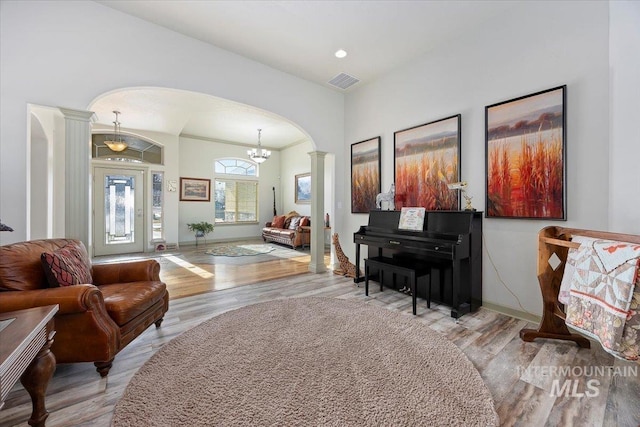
pixel 259 154
pixel 116 144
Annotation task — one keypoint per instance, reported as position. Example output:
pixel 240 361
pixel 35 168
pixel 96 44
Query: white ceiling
pixel 297 37
pixel 184 113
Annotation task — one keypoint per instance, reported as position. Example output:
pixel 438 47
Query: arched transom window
pixel 236 167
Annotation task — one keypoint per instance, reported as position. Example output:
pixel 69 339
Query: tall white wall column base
pixel 317 212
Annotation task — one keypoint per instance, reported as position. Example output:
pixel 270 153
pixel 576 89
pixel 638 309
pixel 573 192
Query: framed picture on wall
pixel 525 156
pixel 303 188
pixel 365 175
pixel 195 190
pixel 426 159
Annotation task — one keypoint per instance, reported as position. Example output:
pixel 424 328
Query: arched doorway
pixel 191 126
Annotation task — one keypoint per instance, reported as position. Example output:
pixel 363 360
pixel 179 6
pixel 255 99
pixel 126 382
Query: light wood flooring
pixel 519 375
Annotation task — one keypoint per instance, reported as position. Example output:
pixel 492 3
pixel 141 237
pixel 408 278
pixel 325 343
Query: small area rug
pixel 308 362
pixel 240 250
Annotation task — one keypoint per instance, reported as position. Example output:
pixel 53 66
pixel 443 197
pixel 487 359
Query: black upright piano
pixel 450 243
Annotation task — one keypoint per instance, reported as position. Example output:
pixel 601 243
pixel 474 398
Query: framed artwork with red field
pixel 526 156
pixel 365 175
pixel 426 159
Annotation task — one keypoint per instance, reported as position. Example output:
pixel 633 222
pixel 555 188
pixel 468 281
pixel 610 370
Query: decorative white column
pixel 317 212
pixel 77 177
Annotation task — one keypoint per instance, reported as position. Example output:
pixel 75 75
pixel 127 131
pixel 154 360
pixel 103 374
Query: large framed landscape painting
pixel 365 175
pixel 426 159
pixel 526 156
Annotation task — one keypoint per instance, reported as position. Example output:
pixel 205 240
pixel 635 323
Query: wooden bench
pixel 558 240
pixel 400 267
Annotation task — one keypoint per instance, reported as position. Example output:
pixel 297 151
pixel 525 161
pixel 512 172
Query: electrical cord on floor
pixel 493 264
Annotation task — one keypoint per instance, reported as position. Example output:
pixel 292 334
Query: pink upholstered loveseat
pixel 291 230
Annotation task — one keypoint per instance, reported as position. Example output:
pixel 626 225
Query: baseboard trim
pixel 512 312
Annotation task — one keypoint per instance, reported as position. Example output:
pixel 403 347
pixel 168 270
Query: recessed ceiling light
pixel 341 53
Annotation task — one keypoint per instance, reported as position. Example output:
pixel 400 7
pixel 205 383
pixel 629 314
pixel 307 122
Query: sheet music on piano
pixel 411 219
pixel 449 242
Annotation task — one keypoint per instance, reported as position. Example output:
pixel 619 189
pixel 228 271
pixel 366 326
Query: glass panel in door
pixel 120 214
pixel 119 211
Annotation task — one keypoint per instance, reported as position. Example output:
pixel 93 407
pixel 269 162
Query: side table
pixel 26 337
pixel 326 245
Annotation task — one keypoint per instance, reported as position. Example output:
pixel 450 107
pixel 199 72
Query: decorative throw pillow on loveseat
pixel 305 222
pixel 66 266
pixel 295 223
pixel 288 217
pixel 278 221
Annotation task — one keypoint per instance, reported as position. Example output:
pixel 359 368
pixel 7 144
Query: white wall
pixel 59 54
pixel 534 48
pixel 624 170
pixel 53 126
pixel 40 226
pixel 295 161
pixel 197 158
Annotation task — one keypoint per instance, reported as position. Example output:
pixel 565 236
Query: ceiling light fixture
pixel 341 53
pixel 259 155
pixel 116 144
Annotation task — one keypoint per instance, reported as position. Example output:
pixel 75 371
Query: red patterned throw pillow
pixel 278 221
pixel 66 266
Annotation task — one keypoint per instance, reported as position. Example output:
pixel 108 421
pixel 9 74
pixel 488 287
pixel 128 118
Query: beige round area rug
pixel 308 362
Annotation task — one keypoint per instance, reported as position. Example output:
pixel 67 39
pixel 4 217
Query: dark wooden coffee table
pixel 26 337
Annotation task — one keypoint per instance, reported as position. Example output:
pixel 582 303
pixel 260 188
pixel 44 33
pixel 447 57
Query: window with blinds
pixel 236 200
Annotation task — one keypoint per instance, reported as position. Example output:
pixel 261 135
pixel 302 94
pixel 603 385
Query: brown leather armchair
pixel 94 321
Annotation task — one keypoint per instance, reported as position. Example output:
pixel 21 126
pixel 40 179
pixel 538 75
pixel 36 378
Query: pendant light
pixel 259 155
pixel 116 144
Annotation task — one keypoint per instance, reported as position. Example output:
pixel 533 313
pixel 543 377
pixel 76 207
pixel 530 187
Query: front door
pixel 118 211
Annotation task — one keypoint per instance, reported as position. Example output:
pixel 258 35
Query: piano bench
pixel 402 268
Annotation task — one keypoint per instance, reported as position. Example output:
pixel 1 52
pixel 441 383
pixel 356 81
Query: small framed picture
pixel 195 190
pixel 303 188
